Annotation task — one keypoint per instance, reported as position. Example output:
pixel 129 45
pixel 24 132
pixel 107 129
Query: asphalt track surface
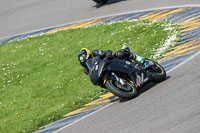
pixel 168 107
pixel 171 106
pixel 17 17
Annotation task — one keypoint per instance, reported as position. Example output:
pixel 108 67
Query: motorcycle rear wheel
pixel 113 88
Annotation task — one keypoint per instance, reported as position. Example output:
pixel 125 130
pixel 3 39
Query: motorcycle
pixel 123 78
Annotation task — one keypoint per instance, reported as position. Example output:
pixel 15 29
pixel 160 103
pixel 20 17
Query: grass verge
pixel 41 78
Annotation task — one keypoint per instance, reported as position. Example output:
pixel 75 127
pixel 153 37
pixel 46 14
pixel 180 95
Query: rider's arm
pixel 98 53
pixel 86 71
pixel 102 54
pixel 122 53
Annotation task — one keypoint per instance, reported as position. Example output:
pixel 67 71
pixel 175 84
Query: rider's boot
pixel 139 59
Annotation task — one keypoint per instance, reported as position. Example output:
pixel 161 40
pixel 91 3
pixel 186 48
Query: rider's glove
pixel 132 56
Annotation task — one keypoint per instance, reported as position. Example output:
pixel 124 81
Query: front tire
pixel 159 74
pixel 112 87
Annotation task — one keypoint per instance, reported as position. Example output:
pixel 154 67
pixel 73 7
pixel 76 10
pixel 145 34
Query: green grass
pixel 41 78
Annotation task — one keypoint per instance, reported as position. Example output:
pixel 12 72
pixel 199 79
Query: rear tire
pixel 119 92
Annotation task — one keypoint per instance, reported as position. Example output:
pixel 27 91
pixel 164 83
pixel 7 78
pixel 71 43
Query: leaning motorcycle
pixel 123 78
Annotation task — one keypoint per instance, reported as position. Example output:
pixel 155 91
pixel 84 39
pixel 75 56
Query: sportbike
pixel 123 78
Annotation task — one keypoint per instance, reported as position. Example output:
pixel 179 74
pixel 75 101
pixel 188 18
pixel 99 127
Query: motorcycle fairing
pixel 120 66
pixel 95 66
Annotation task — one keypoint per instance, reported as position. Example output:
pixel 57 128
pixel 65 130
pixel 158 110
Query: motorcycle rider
pixel 123 53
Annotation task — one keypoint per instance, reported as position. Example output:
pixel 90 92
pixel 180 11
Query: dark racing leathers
pixel 101 54
pixel 121 54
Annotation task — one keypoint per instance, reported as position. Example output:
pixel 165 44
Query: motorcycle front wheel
pixel 158 72
pixel 127 93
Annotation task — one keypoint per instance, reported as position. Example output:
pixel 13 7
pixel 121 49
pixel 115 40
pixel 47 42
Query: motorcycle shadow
pixel 114 1
pixel 108 3
pixel 142 90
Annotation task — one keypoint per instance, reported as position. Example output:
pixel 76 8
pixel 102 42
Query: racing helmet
pixel 125 47
pixel 84 55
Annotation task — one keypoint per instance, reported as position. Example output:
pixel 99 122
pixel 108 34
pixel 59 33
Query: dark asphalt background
pixel 21 16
